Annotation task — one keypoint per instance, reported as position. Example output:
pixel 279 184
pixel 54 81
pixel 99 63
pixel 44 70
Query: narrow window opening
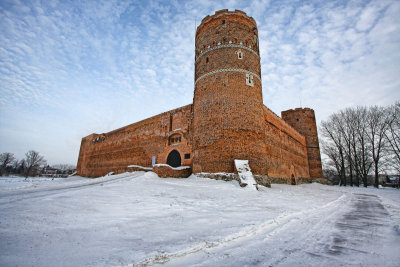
pixel 223 21
pixel 239 54
pixel 207 60
pixel 249 80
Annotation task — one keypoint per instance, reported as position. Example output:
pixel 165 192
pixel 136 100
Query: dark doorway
pixel 174 159
pixel 293 180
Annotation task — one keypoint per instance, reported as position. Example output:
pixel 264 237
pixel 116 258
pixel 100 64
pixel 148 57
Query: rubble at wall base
pixel 263 180
pixel 165 171
pixel 299 180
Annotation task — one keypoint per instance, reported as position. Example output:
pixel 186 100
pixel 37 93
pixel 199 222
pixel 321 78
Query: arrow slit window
pixel 249 80
pixel 239 54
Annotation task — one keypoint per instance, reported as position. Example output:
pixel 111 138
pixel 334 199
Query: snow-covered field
pixel 139 219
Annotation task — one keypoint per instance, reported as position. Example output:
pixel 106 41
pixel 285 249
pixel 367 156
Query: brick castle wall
pixel 137 144
pixel 285 148
pixel 303 120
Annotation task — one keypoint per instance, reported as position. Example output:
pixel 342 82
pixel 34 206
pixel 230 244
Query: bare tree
pixel 347 130
pixel 376 132
pixel 334 148
pixel 21 166
pixel 32 162
pixel 333 163
pixel 393 135
pixel 359 140
pixel 15 165
pixel 6 159
pixel 364 157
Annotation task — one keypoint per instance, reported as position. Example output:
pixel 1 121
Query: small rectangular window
pixel 249 80
pixel 180 139
pixel 172 140
pixel 187 156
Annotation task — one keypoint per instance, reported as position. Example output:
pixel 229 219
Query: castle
pixel 226 121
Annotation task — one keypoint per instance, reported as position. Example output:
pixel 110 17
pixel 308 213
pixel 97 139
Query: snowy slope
pixel 140 219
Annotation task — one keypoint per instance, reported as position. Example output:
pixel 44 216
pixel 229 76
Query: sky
pixel 72 68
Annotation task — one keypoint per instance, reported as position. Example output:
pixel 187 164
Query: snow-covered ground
pixel 139 219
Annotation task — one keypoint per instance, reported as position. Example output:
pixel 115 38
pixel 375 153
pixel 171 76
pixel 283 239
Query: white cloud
pixel 100 65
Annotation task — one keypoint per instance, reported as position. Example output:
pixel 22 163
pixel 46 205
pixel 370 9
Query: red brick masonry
pixel 226 121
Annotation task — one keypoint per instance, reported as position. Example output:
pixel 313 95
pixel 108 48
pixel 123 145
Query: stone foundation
pixel 136 168
pixel 277 180
pixel 166 171
pixel 260 179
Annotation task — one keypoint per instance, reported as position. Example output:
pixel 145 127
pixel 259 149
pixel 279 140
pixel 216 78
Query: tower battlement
pixel 225 12
pixel 225 33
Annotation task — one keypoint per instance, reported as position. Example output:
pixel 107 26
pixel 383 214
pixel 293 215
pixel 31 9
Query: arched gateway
pixel 174 159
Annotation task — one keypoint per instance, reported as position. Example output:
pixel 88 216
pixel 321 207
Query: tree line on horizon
pixel 361 141
pixel 28 166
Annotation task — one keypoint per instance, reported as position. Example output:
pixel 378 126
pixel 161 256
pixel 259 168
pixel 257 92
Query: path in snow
pixel 336 234
pixel 363 231
pixel 10 195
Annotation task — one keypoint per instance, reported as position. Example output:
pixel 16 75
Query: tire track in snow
pixel 269 229
pixel 364 219
pixel 306 238
pixel 11 196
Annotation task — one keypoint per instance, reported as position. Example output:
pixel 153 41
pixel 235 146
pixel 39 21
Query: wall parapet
pixel 224 12
pixel 284 126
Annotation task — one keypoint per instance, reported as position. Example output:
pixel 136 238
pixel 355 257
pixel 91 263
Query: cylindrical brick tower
pixel 227 105
pixel 303 120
